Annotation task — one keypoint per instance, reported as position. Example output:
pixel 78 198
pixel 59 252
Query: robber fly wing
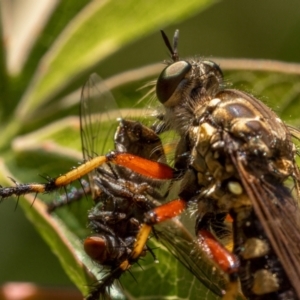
pixel 279 215
pixel 295 133
pixel 98 114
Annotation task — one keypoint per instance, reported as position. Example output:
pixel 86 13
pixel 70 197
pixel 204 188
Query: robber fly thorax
pixel 207 117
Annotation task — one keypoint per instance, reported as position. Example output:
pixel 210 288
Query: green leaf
pixel 98 31
pixel 63 243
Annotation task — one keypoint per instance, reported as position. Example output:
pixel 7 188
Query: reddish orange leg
pixel 157 215
pixel 164 212
pixel 226 260
pixel 141 165
pixel 137 164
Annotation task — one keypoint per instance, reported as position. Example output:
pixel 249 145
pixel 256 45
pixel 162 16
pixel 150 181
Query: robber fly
pixel 236 157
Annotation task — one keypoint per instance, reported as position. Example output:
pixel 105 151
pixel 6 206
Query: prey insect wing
pixel 107 245
pixel 179 241
pixel 97 108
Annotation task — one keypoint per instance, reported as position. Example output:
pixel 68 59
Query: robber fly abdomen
pixel 260 272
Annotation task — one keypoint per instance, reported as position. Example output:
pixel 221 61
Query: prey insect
pixel 121 196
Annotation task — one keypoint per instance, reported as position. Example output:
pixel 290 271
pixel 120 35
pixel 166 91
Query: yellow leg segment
pixel 232 291
pixel 141 240
pixel 80 171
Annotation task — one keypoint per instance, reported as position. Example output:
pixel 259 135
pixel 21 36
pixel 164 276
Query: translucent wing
pixel 278 213
pixel 179 241
pixel 98 114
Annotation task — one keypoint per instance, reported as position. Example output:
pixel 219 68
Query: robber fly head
pixel 185 80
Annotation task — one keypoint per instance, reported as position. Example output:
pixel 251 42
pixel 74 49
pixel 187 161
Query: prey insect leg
pixel 75 195
pixel 135 163
pixel 225 259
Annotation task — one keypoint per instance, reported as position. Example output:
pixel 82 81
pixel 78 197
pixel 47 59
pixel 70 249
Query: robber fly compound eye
pixel 210 67
pixel 170 79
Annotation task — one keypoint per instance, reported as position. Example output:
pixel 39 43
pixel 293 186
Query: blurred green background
pixel 230 28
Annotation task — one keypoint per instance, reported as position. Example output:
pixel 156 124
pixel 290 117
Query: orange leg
pixel 157 215
pixel 141 165
pixel 226 260
pixel 137 164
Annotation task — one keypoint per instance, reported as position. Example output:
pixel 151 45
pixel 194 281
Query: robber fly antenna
pixel 173 50
pixel 175 45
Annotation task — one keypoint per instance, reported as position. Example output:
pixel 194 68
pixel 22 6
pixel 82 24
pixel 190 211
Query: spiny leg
pixel 75 195
pixel 226 261
pixel 157 215
pixel 224 258
pixel 137 164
